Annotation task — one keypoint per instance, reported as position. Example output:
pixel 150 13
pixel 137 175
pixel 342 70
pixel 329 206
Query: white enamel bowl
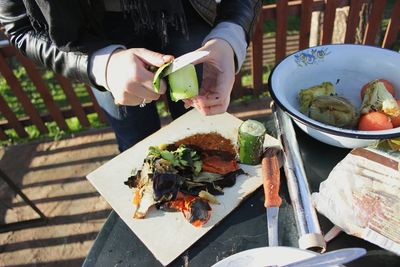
pixel 348 67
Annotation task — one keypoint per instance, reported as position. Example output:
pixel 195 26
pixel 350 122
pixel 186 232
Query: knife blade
pixel 271 183
pixel 184 60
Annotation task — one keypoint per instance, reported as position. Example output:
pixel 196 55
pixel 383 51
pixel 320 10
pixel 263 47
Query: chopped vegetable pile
pixel 183 177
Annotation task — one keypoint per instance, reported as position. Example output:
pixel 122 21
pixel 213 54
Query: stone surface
pixel 52 175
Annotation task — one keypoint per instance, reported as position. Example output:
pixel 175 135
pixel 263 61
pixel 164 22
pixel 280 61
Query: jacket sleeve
pixel 242 12
pixel 38 46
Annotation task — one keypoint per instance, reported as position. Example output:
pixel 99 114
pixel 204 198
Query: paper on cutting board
pixel 362 196
pixel 169 234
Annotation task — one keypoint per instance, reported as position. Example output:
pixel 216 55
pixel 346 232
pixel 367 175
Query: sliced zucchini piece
pixel 158 76
pixel 250 142
pixel 183 83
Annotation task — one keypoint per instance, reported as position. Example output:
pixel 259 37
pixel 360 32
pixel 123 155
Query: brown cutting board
pixel 168 234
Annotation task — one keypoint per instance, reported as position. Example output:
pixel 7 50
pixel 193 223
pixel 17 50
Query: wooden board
pixel 168 234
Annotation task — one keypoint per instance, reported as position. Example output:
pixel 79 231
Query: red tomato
pixel 374 121
pixel 396 120
pixel 386 83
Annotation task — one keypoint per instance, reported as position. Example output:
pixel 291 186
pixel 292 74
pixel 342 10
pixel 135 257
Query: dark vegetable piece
pixel 213 187
pixel 198 212
pixel 195 209
pixel 229 179
pixel 165 186
pixel 133 180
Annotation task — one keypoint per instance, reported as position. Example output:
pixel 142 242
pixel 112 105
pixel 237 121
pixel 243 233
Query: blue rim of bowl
pixel 332 130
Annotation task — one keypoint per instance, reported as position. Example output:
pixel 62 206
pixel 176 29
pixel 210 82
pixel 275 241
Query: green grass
pixel 59 97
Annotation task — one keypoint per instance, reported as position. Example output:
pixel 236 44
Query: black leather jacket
pixel 73 64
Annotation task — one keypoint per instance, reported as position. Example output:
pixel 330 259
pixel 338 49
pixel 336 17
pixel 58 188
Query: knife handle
pixel 271 177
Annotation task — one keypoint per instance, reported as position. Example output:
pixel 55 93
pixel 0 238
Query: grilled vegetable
pixel 374 121
pixel 388 146
pixel 306 96
pixel 394 143
pixel 250 142
pixel 195 209
pixel 173 177
pixel 333 110
pixel 183 83
pixel 388 85
pixel 396 119
pixel 209 197
pixel 378 98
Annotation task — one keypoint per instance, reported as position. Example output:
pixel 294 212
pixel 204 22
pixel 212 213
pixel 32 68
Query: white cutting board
pixel 168 234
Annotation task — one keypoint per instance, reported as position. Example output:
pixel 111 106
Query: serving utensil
pixel 271 183
pixel 332 258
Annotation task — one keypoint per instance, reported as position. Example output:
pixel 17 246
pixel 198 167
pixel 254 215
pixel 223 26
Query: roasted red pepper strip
pixel 215 164
pixel 195 209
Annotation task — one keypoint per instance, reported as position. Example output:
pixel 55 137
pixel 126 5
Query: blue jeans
pixel 131 124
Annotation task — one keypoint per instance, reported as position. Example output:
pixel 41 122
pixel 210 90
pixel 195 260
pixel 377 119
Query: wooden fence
pixel 266 48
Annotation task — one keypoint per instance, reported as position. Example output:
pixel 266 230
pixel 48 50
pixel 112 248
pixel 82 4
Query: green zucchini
pixel 183 83
pixel 250 142
pixel 158 75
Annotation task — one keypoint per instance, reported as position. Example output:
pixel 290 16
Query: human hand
pixel 129 79
pixel 218 78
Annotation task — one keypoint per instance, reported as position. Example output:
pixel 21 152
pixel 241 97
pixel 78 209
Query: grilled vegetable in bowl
pixel 306 96
pixel 334 110
pixel 376 97
pixel 348 67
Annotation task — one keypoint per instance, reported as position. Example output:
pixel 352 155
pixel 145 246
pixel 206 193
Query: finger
pixel 152 58
pixel 168 58
pixel 187 103
pixel 146 80
pixel 214 110
pixel 200 109
pixel 200 102
pixel 163 87
pixel 206 107
pixel 210 99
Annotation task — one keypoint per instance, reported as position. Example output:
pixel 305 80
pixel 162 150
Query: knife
pixel 183 61
pixel 271 183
